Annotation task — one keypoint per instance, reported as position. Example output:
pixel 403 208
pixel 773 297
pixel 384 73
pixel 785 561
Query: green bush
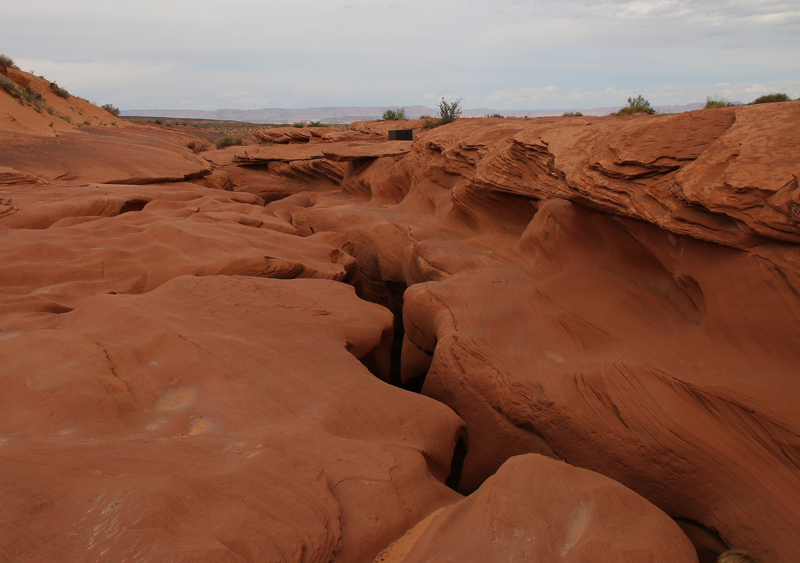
pixel 58 90
pixel 33 94
pixel 394 114
pixel 714 102
pixel 770 98
pixel 299 124
pixel 495 115
pixel 572 114
pixel 316 124
pixel 6 61
pixel 8 85
pixel 635 105
pixel 449 112
pixel 111 109
pixel 158 122
pixel 228 142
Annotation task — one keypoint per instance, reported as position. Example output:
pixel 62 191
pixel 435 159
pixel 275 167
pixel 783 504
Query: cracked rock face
pixel 216 418
pixel 191 368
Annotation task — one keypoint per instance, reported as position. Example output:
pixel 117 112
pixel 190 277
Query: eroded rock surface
pixel 214 418
pixel 619 293
pixel 538 509
pixel 561 301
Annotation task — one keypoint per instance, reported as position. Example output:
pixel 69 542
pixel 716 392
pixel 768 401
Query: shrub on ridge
pixel 228 142
pixel 771 98
pixel 635 105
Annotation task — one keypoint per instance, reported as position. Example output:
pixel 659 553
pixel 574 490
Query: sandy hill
pixel 32 104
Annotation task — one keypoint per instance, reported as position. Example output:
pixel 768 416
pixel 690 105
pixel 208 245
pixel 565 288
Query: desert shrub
pixel 714 102
pixel 635 105
pixel 449 112
pixel 495 115
pixel 65 118
pixel 572 114
pixel 299 124
pixel 228 142
pixel 158 122
pixel 58 90
pixel 86 122
pixel 430 123
pixel 111 109
pixel 425 116
pixel 394 114
pixel 770 98
pixel 6 61
pixel 33 97
pixel 316 124
pixel 8 85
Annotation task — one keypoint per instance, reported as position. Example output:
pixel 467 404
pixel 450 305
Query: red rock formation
pixel 214 418
pixel 537 509
pixel 598 331
pixel 105 156
pixel 620 293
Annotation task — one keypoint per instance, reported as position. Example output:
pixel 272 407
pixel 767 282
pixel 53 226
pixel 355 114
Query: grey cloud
pixel 315 53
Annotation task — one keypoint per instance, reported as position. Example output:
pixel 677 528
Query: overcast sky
pixel 505 54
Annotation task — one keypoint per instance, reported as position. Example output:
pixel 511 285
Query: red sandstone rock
pixel 290 135
pixel 348 152
pixel 10 177
pixel 383 127
pixel 137 252
pixel 621 293
pixel 32 206
pixel 537 509
pixel 105 156
pixel 216 419
pixel 610 342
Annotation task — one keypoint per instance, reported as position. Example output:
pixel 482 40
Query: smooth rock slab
pixel 215 419
pixel 538 509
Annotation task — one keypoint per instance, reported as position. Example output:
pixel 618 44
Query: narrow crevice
pixel 707 542
pixel 415 384
pixel 133 205
pixel 390 294
pixel 457 461
pixel 395 292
